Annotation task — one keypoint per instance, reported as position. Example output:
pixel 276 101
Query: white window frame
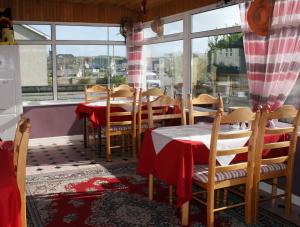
pixel 53 42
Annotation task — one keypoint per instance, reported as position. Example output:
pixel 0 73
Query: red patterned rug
pixel 114 196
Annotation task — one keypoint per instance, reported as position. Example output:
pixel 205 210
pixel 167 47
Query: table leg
pixel 150 187
pixel 84 131
pixel 185 213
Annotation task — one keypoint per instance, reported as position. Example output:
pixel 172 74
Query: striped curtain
pixel 134 51
pixel 273 62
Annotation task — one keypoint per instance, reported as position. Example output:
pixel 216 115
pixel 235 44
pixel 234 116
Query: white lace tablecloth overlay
pixel 199 133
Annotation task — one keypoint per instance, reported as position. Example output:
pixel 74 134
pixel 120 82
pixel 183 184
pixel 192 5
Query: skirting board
pixel 58 139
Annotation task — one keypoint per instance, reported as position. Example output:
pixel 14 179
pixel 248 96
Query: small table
pixel 10 199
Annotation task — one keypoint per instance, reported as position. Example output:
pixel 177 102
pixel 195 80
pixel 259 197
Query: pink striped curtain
pixel 273 62
pixel 135 58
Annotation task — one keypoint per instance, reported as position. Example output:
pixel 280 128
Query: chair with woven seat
pixel 93 93
pixel 145 96
pixel 196 108
pixel 213 177
pixel 20 159
pixel 271 168
pixel 120 118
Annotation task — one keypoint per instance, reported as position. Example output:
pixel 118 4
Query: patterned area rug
pixel 114 196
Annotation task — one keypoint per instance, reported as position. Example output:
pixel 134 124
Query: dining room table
pixel 10 199
pixel 170 153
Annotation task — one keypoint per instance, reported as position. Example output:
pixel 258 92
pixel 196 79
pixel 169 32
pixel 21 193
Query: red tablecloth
pixel 96 114
pixel 10 200
pixel 175 162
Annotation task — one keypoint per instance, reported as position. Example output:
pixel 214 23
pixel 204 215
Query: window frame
pixel 53 43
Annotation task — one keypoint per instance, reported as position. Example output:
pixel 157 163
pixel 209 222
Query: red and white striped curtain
pixel 273 62
pixel 135 58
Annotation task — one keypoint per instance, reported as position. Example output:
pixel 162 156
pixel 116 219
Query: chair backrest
pixel 206 100
pixel 164 102
pixel 220 136
pixel 94 93
pixel 285 112
pixel 153 92
pixel 123 87
pixel 20 150
pixel 124 104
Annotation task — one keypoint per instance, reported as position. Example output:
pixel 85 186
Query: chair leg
pixel 274 190
pixel 225 194
pixel 108 149
pixel 255 201
pixel 23 209
pixel 150 187
pixel 218 197
pixel 248 205
pixel 170 194
pixel 210 209
pixel 185 213
pixel 288 196
pixel 133 141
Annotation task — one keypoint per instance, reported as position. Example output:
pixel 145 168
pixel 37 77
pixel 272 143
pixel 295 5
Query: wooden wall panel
pixel 177 6
pixel 53 11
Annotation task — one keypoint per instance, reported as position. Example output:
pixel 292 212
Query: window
pixel 81 32
pixel 32 32
pixel 218 61
pixel 215 72
pixel 164 66
pixel 83 54
pixel 36 72
pixel 169 29
pixel 216 19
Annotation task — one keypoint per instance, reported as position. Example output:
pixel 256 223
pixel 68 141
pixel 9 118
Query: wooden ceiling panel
pixel 134 5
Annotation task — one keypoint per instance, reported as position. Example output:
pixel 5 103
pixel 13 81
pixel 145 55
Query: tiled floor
pixel 59 155
pixel 54 155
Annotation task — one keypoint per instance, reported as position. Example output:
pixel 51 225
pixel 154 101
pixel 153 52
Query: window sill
pixel 49 103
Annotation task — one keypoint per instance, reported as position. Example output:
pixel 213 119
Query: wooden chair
pixel 142 124
pixel 164 102
pixel 123 121
pixel 213 177
pixel 93 93
pixel 123 87
pixel 203 99
pixel 20 159
pixel 273 168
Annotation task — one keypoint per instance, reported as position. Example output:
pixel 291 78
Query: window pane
pixel 114 34
pixel 215 19
pixel 148 33
pixel 36 72
pixel 218 66
pixel 293 98
pixel 174 27
pixel 118 65
pixel 164 66
pixel 81 33
pixel 78 65
pixel 32 32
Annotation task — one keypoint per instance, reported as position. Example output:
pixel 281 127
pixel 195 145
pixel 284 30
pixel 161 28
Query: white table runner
pixel 199 133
